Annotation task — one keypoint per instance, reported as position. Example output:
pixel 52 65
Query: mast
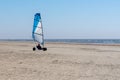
pixel 42 31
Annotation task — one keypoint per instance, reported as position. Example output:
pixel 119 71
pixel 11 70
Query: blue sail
pixel 37 33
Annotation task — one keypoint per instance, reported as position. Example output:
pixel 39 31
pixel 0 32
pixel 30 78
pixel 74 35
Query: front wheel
pixel 34 48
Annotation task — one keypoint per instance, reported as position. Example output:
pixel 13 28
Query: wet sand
pixel 60 62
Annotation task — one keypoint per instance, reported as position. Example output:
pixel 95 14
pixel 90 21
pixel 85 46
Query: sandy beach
pixel 61 62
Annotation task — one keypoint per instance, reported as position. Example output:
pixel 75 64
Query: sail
pixel 37 33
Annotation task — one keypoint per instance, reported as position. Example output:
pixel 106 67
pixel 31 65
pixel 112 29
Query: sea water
pixel 86 41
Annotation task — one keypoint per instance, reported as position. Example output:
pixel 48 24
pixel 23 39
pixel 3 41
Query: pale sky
pixel 62 19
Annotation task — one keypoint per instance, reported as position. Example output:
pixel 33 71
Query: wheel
pixel 44 49
pixel 34 48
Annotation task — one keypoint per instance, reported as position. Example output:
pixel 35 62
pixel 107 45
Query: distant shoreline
pixel 16 40
pixel 100 42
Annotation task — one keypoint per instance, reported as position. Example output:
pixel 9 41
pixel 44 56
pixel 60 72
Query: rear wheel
pixel 34 48
pixel 44 49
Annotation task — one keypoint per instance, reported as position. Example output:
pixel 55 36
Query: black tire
pixel 44 49
pixel 34 48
